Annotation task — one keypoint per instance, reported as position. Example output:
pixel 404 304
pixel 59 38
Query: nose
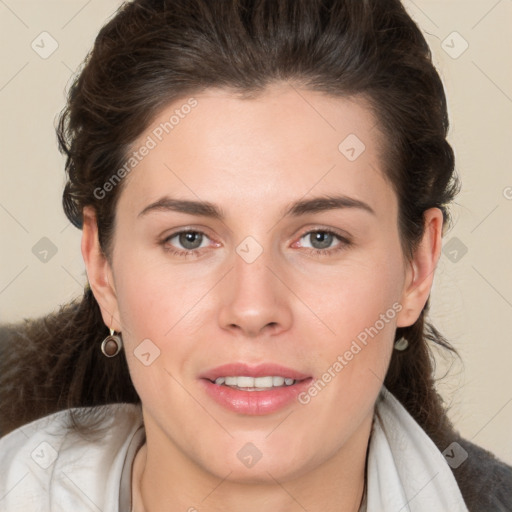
pixel 255 301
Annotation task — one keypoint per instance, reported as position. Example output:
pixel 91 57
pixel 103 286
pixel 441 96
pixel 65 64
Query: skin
pixel 252 158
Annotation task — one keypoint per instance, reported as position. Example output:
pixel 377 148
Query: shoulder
pixel 47 464
pixel 485 481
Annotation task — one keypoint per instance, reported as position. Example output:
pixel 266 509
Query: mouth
pixel 254 390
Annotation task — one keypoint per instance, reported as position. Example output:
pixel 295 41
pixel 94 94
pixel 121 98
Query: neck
pixel 168 480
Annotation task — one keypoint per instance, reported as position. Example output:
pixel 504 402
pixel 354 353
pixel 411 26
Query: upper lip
pixel 259 370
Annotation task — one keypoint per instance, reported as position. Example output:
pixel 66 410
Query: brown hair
pixel 154 52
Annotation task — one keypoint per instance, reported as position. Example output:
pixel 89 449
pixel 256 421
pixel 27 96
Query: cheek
pixel 360 309
pixel 153 296
pixel 161 315
pixel 353 297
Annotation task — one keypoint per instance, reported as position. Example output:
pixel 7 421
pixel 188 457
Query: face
pixel 229 261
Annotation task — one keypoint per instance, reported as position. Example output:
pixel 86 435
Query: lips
pixel 252 401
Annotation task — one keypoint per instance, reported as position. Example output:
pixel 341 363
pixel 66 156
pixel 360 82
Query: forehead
pixel 285 142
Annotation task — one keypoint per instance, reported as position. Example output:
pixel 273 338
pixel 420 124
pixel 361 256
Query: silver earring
pixel 401 344
pixel 112 344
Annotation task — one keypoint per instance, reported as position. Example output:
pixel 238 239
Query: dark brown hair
pixel 154 52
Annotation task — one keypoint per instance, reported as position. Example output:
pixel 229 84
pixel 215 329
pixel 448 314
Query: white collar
pixel 45 464
pixel 406 472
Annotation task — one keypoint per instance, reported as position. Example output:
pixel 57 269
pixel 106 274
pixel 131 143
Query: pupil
pixel 189 240
pixel 325 240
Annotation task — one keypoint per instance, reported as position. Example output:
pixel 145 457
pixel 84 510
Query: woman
pixel 262 188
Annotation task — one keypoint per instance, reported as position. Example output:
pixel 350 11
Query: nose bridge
pixel 254 300
pixel 251 269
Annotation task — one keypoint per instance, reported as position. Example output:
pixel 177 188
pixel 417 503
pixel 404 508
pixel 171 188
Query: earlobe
pixel 98 269
pixel 420 272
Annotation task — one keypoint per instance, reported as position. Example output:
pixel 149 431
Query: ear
pixel 420 270
pixel 99 272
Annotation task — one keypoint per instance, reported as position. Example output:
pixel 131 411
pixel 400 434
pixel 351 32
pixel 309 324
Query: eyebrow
pixel 296 209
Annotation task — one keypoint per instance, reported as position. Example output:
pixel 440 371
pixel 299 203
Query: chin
pixel 260 474
pixel 257 463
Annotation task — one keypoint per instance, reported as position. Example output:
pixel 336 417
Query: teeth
pixel 254 383
pixel 263 382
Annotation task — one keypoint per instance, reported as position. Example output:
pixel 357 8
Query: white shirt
pixel 46 467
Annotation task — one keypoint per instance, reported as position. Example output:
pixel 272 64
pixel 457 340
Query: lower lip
pixel 255 403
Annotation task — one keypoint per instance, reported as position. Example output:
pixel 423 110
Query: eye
pixel 189 240
pixel 321 241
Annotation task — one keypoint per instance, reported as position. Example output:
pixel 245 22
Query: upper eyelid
pixel 324 230
pixel 344 239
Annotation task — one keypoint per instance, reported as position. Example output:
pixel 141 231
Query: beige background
pixel 472 295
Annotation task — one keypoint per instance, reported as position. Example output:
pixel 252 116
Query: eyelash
pixel 345 243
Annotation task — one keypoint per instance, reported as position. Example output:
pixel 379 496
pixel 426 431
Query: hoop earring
pixel 401 344
pixel 111 345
